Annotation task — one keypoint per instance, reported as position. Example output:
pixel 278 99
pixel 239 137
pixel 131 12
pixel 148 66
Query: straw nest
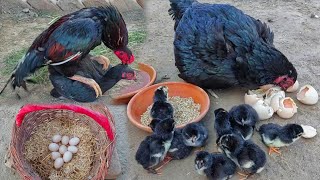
pixel 39 156
pixel 30 156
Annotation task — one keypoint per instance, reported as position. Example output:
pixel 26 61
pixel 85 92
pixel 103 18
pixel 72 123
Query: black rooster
pixel 218 46
pixel 70 39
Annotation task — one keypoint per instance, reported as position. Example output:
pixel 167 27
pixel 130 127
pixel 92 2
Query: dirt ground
pixel 296 35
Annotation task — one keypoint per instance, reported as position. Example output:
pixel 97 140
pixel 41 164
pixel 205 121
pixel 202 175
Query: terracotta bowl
pixel 125 98
pixel 140 102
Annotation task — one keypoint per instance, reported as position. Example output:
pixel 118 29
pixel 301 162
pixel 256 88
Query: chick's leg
pixel 153 171
pixel 165 161
pixel 89 82
pixel 273 149
pixel 102 60
pixel 243 176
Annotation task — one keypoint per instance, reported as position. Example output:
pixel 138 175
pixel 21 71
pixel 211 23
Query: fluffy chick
pixel 154 148
pixel 195 135
pixel 215 166
pixel 178 149
pixel 244 119
pixel 161 108
pixel 247 155
pixel 275 136
pixel 222 123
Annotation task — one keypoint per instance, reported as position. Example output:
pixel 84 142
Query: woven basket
pixel 97 117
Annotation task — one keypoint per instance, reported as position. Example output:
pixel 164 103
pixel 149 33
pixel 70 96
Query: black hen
pixel 275 136
pixel 81 92
pixel 161 108
pixel 218 46
pixel 215 166
pixel 68 40
pixel 247 155
pixel 154 148
pixel 243 120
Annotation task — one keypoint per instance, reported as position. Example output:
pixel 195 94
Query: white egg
pixel 264 110
pixel 67 156
pixel 55 155
pixel 251 99
pixel 307 95
pixel 308 131
pixel 65 140
pixel 294 87
pixel 73 149
pixel 74 141
pixel 58 163
pixel 275 101
pixel 63 149
pixel 287 108
pixel 53 147
pixel 56 138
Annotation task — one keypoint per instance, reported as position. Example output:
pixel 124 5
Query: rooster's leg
pixel 92 83
pixel 102 60
pixel 273 149
pixel 166 160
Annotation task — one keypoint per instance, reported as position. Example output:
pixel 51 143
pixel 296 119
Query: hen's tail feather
pixel 178 7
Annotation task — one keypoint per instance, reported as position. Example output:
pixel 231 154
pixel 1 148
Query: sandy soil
pixel 296 35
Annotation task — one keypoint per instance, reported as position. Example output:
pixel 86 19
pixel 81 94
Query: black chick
pixel 243 120
pixel 178 149
pixel 222 122
pixel 247 155
pixel 195 135
pixel 154 148
pixel 215 166
pixel 275 136
pixel 161 109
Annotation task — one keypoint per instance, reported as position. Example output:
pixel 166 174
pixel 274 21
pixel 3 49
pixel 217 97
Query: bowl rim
pixel 148 129
pixel 130 94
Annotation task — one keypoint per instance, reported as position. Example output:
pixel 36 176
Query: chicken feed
pixel 185 110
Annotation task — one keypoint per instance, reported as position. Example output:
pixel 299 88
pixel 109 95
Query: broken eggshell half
pixel 308 131
pixel 294 87
pixel 275 101
pixel 307 95
pixel 264 110
pixel 287 108
pixel 253 96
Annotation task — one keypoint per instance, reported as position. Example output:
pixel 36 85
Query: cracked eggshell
pixel 287 108
pixel 271 94
pixel 251 99
pixel 307 95
pixel 275 102
pixel 308 131
pixel 264 110
pixel 294 87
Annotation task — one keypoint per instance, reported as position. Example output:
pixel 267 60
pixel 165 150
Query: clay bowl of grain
pixel 123 91
pixel 190 103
